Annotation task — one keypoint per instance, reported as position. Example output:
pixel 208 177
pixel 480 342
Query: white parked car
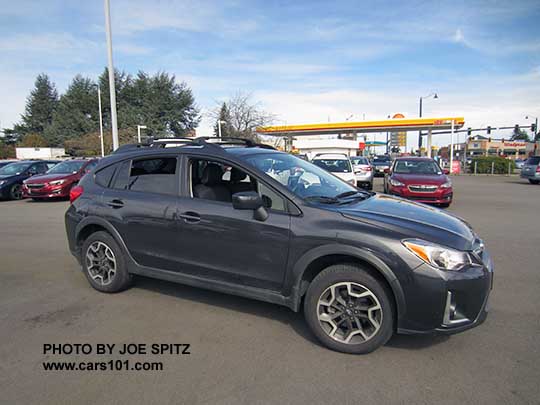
pixel 363 171
pixel 338 164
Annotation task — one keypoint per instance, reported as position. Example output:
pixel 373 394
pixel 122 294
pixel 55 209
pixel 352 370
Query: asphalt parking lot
pixel 244 351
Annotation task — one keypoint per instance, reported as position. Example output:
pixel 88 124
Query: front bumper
pixel 47 191
pixel 440 196
pixel 451 301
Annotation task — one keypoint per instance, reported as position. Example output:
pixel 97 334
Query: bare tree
pixel 244 116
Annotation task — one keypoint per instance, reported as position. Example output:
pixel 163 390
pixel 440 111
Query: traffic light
pixel 489 131
pixel 489 139
pixel 516 129
pixel 533 128
pixel 469 131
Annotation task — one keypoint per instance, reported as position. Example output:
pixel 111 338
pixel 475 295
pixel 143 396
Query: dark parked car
pixel 13 175
pixel 419 179
pixel 380 164
pixel 531 170
pixel 264 224
pixel 57 181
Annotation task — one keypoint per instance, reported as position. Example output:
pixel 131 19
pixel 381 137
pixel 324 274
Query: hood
pixel 432 179
pixel 412 220
pixel 45 178
pixel 12 176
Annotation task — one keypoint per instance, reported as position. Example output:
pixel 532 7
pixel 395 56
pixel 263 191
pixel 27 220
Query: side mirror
pixel 387 171
pixel 250 200
pixel 446 171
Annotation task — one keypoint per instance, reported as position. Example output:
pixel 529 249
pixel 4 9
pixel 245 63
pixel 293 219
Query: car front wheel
pixel 348 310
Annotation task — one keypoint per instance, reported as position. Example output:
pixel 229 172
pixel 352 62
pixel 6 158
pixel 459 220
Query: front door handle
pixel 115 203
pixel 190 217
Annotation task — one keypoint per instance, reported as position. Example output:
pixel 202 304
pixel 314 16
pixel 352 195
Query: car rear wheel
pixel 103 263
pixel 16 192
pixel 348 310
pixel 533 181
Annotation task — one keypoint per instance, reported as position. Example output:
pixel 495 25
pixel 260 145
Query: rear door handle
pixel 190 217
pixel 115 203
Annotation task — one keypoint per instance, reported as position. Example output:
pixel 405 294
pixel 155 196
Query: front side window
pixel 302 178
pixel 153 175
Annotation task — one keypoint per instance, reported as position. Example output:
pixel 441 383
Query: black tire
pixel 15 192
pixel 342 273
pixel 533 181
pixel 370 186
pixel 121 278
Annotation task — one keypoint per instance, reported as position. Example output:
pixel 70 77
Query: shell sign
pixel 398 115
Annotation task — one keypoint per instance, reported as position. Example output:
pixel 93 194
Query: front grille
pixel 423 198
pixel 35 186
pixel 421 188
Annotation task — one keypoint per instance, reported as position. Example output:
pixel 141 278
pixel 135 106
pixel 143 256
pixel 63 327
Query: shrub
pixel 500 164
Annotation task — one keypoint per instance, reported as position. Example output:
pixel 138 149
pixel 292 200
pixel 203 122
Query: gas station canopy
pixel 347 127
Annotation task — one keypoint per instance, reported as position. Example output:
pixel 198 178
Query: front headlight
pixel 438 256
pixel 448 184
pixel 2 182
pixel 395 182
pixel 57 182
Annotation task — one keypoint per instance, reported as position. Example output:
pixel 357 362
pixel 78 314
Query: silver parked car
pixel 531 170
pixel 363 172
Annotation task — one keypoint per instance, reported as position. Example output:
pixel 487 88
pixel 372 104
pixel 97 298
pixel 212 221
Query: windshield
pixel 14 168
pixel 66 167
pixel 417 167
pixel 359 160
pixel 303 178
pixel 334 165
pixel 381 159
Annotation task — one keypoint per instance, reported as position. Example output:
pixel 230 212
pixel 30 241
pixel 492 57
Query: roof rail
pixel 235 141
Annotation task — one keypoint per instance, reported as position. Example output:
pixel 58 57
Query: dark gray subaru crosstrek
pixel 243 219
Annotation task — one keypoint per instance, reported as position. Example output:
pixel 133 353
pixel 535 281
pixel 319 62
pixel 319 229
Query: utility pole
pixel 112 90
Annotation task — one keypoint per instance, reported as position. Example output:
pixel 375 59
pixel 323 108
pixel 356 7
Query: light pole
pixel 100 121
pixel 112 90
pixel 219 126
pixel 139 127
pixel 435 96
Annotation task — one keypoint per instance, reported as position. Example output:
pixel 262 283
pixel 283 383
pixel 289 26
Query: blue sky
pixel 310 61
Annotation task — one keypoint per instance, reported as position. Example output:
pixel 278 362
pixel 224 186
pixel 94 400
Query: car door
pixel 219 242
pixel 141 205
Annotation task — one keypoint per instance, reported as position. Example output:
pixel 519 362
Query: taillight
pixel 368 169
pixel 75 193
pixel 538 169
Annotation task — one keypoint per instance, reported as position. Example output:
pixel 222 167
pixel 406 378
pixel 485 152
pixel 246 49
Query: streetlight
pixel 114 122
pixel 219 126
pixel 100 121
pixel 139 127
pixel 435 96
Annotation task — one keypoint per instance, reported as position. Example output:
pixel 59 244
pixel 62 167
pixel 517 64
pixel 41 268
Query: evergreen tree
pixel 40 106
pixel 225 118
pixel 77 112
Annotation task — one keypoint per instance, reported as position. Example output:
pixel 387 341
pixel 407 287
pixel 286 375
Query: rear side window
pixel 154 175
pixel 533 160
pixel 104 176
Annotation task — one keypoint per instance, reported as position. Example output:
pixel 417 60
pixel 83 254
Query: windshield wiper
pixel 363 195
pixel 322 198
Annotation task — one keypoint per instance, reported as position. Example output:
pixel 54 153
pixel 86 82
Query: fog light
pixel 452 316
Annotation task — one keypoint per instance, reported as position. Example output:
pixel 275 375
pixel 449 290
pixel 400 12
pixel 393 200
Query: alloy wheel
pixel 100 263
pixel 16 192
pixel 349 313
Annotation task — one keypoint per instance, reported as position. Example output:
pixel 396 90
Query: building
pixel 485 146
pixel 39 153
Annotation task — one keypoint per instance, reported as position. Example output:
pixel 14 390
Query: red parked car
pixel 419 179
pixel 57 181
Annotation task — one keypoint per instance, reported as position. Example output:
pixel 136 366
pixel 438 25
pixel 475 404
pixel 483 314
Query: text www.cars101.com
pixel 111 365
